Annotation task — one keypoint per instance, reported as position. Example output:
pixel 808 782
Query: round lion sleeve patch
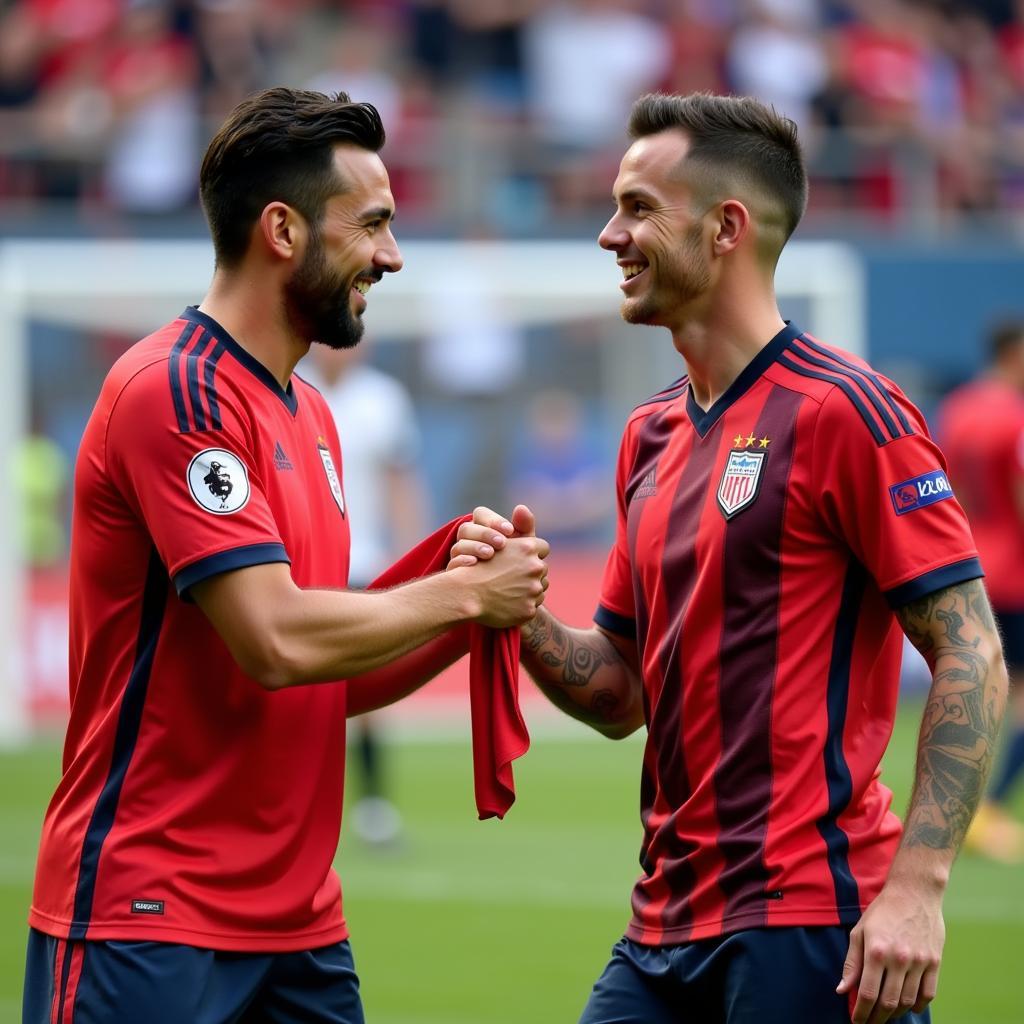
pixel 218 481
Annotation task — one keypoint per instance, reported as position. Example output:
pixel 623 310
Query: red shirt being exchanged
pixel 761 548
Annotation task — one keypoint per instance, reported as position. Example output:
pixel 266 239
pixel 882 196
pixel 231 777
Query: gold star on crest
pixel 765 441
pixel 737 441
pixel 750 440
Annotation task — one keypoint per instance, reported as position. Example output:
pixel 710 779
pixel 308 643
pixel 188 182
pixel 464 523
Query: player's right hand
pixel 510 588
pixel 487 532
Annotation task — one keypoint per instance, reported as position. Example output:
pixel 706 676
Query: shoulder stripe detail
pixel 871 376
pixel 195 399
pixel 858 379
pixel 129 720
pixel 174 371
pixel 209 370
pixel 674 390
pixel 847 390
pixel 192 374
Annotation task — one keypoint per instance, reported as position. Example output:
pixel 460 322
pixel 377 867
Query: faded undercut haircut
pixel 736 134
pixel 277 146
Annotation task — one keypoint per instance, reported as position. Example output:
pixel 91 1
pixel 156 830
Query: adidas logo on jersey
pixel 281 461
pixel 648 486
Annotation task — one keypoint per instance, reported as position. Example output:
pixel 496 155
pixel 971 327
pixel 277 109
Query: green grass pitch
pixel 503 922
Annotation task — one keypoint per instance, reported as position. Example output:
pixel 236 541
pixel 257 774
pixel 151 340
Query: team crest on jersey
pixel 332 475
pixel 218 481
pixel 740 481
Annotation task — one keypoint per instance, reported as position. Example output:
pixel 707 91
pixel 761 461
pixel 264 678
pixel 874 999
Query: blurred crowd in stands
pixel 507 116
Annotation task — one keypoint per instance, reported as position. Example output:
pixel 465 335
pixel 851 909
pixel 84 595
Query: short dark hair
pixel 1004 337
pixel 277 145
pixel 736 132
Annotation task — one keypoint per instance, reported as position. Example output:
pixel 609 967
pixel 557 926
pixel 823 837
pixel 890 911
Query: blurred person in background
pixel 387 503
pixel 557 473
pixel 981 427
pixel 782 511
pixel 184 872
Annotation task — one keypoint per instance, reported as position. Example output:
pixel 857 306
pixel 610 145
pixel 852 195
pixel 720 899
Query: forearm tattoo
pixel 573 662
pixel 961 720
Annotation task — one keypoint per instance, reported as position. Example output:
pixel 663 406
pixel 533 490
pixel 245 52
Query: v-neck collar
pixel 249 361
pixel 703 421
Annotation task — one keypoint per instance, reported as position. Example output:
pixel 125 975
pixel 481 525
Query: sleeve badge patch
pixel 920 491
pixel 218 481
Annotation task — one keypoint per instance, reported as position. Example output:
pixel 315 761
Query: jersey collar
pixel 703 421
pixel 250 362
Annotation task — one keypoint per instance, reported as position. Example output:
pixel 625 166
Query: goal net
pixel 93 288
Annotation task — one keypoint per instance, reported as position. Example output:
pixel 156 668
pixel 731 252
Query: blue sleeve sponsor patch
pixel 920 491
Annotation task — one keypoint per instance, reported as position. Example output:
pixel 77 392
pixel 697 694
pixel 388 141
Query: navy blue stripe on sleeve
pixel 174 370
pixel 858 379
pixel 882 389
pixel 847 390
pixel 225 561
pixel 209 370
pixel 192 375
pixel 615 623
pixel 937 579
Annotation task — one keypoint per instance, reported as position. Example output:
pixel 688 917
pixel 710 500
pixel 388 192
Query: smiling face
pixel 349 250
pixel 656 233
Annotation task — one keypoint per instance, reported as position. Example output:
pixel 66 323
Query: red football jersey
pixel 195 806
pixel 761 547
pixel 981 427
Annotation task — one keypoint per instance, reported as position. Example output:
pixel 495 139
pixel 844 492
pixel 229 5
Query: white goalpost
pixel 132 287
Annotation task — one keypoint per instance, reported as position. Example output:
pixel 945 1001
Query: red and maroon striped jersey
pixel 194 806
pixel 760 550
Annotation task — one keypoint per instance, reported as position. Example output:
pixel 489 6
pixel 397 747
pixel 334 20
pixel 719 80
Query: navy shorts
pixel 164 983
pixel 760 976
pixel 1011 628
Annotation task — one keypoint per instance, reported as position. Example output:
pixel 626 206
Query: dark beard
pixel 685 286
pixel 317 303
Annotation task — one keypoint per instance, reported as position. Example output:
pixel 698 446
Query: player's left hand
pixel 894 956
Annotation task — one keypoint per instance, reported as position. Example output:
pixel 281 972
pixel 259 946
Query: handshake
pixel 504 566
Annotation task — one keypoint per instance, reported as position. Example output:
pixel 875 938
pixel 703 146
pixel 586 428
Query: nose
pixel 388 258
pixel 613 235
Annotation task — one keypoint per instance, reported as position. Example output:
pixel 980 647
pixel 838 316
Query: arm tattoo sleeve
pixel 560 651
pixel 571 662
pixel 954 630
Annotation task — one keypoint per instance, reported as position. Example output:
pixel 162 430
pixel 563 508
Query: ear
pixel 283 230
pixel 733 226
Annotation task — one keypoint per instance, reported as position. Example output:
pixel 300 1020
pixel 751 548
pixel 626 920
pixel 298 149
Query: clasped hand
pixel 510 588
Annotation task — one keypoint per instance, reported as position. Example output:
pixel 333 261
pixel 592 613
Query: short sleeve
pixel 616 611
pixel 199 493
pixel 892 503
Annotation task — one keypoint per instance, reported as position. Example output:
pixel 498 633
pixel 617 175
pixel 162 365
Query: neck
pixel 251 311
pixel 719 341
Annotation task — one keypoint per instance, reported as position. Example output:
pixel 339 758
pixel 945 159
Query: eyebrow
pixel 379 213
pixel 632 193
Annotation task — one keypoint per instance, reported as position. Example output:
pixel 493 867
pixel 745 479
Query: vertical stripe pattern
pixel 837 771
pixel 752 560
pixel 154 599
pixel 679 570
